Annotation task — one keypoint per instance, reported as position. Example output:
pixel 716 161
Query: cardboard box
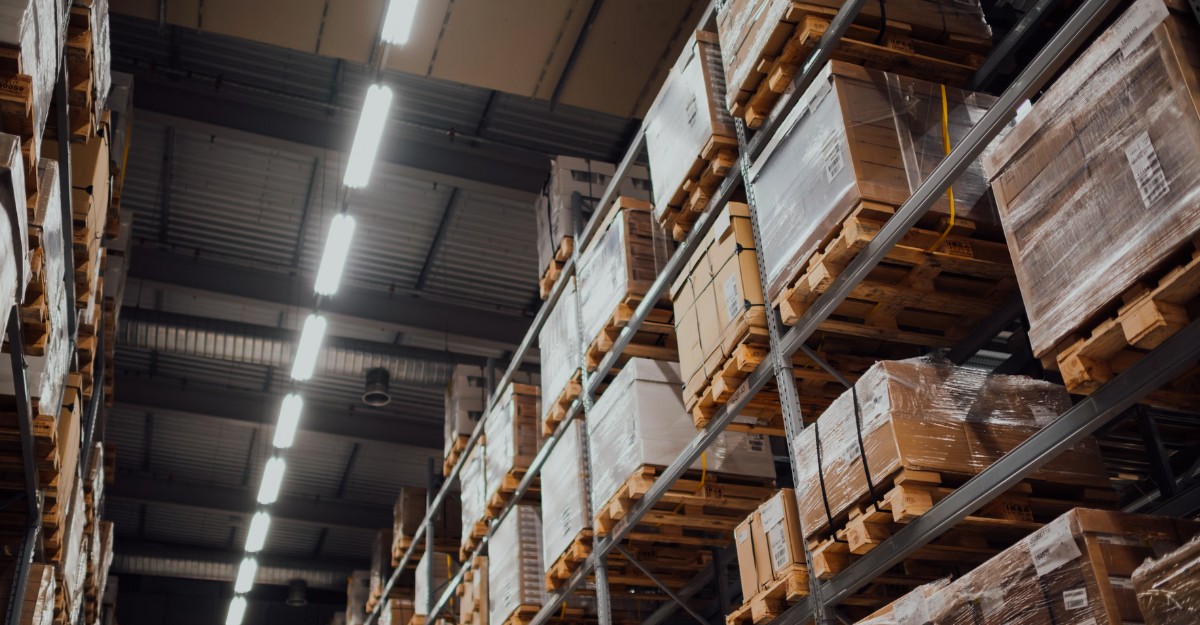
pixel 860 135
pixel 1095 183
pixel 743 539
pixel 514 433
pixel 516 575
pixel 559 346
pixel 466 399
pixel 475 486
pixel 1168 588
pixel 566 504
pixel 780 520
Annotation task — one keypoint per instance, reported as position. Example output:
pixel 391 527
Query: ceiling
pixel 237 152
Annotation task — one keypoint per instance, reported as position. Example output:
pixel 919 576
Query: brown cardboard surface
pixel 762 553
pixel 744 542
pixel 784 540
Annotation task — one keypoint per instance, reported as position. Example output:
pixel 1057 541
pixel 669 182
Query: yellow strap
pixel 950 189
pixel 703 470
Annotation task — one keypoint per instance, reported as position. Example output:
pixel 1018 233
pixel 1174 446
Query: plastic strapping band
pixel 862 450
pixel 821 475
pixel 882 22
pixel 949 189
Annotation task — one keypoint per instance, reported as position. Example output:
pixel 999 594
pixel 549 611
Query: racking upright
pixel 1171 358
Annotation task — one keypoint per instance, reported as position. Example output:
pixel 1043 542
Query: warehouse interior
pixel 380 226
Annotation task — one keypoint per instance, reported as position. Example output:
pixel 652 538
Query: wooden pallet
pixel 17 117
pixel 557 409
pixel 910 494
pixel 471 538
pixel 701 509
pixel 655 338
pixel 507 488
pixel 714 162
pixel 1145 317
pixel 914 296
pixel 900 51
pixel 456 450
pixel 789 587
pixel 565 566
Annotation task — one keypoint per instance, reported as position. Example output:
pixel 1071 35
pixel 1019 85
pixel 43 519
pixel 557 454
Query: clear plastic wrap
pixel 513 431
pixel 396 612
pixel 860 135
pixel 749 29
pixel 101 55
pixel 72 568
pixel 381 560
pixel 640 420
pixel 1074 571
pixel 1098 183
pixel 621 262
pixel 559 346
pixel 443 568
pixel 358 589
pixel 1168 588
pixel 466 399
pixel 34 27
pixel 688 111
pixel 473 480
pixel 924 414
pixel 16 227
pixel 409 511
pixel 569 175
pixel 566 509
pixel 515 574
pixel 38 602
pixel 911 609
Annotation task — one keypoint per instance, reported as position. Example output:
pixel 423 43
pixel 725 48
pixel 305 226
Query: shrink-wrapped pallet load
pixel 515 573
pixel 927 416
pixel 358 590
pixel 1168 586
pixel 566 507
pixel 425 596
pixel 35 29
pixel 513 431
pixel 690 138
pixel 1096 187
pixel 561 357
pixel 475 488
pixel 640 420
pixel 381 557
pixel 408 513
pixel 14 235
pixel 397 612
pixel 466 399
pixel 37 605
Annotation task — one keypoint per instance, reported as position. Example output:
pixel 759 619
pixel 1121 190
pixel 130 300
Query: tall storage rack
pixel 32 543
pixel 1084 418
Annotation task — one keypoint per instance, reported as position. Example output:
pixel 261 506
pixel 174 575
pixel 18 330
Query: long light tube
pixel 333 260
pixel 367 136
pixel 289 421
pixel 272 478
pixel 397 25
pixel 245 576
pixel 260 524
pixel 237 610
pixel 311 337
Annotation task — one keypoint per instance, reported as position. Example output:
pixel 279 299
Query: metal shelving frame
pixel 1169 360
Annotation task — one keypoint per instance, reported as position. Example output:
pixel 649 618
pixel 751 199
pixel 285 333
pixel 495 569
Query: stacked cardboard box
pixel 14 228
pixel 474 483
pixel 515 584
pixel 561 354
pixel 1096 192
pixel 1168 587
pixel 513 433
pixel 408 513
pixel 615 272
pixel 573 190
pixel 88 66
pixel 566 505
pixel 690 138
pixel 466 399
pixel 37 605
pixel 396 612
pixel 770 544
pixel 473 602
pixel 358 590
pixel 381 558
pixel 425 596
pixel 32 34
pixel 764 42
pixel 927 416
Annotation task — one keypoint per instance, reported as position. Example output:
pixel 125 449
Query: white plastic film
pixel 515 573
pixel 566 509
pixel 559 346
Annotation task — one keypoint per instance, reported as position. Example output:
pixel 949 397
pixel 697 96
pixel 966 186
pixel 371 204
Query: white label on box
pixel 1053 546
pixel 831 156
pixel 1089 621
pixel 1043 415
pixel 1122 583
pixel 1124 541
pixel 742 534
pixel 1147 170
pixel 911 609
pixel 733 301
pixel 772 512
pixel 1137 23
pixel 777 542
pixel 755 442
pixel 1075 598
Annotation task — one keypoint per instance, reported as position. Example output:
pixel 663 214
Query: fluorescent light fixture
pixel 268 491
pixel 260 523
pixel 289 420
pixel 311 337
pixel 367 136
pixel 245 576
pixel 398 23
pixel 237 610
pixel 337 247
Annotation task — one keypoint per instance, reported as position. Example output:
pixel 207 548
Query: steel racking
pixel 1084 418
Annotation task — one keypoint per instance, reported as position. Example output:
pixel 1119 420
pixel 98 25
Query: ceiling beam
pixel 191 401
pixel 130 546
pixel 153 490
pixel 494 330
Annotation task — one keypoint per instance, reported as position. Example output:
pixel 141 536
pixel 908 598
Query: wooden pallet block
pixel 701 509
pixel 709 169
pixel 937 57
pixel 523 615
pixel 557 410
pixel 549 277
pixel 914 296
pixel 655 338
pixel 507 488
pixel 570 560
pixel 1149 313
pixel 789 587
pixel 456 450
pixel 471 538
pixel 910 494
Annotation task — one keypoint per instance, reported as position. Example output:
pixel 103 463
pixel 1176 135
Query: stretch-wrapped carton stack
pixel 466 399
pixel 36 29
pixel 37 605
pixel 397 612
pixel 769 543
pixel 857 136
pixel 513 431
pixel 1096 185
pixel 14 243
pixel 515 574
pixel 358 590
pixel 408 513
pixel 927 415
pixel 577 182
pixel 474 482
pixel 688 113
pixel 424 596
pixel 640 420
pixel 566 507
pixel 559 347
pixel 1168 587
pixel 381 558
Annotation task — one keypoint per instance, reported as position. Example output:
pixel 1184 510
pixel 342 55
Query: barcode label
pixel 733 300
pixel 1123 583
pixel 777 541
pixel 1075 598
pixel 1147 170
pixel 1053 546
pixel 1137 24
pixel 831 155
pixel 756 442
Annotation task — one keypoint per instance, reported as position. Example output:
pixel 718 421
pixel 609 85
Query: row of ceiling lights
pixel 397 26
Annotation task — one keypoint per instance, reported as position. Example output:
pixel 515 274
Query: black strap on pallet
pixel 821 475
pixel 883 22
